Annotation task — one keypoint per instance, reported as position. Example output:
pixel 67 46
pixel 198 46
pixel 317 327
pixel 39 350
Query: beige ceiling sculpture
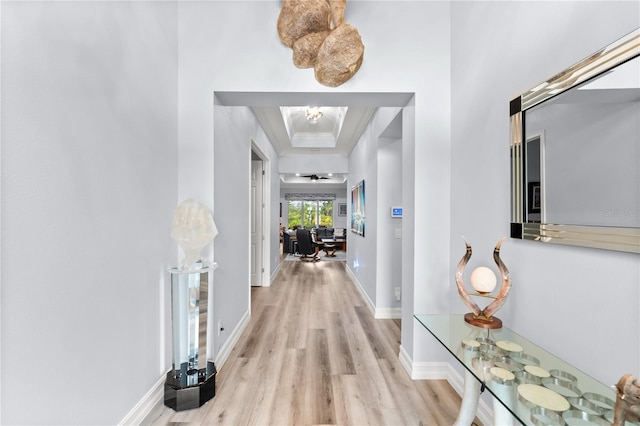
pixel 316 32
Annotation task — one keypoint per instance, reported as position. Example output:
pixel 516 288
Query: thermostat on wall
pixel 396 211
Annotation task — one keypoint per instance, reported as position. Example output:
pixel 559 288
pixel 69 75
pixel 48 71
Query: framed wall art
pixel 357 208
pixel 534 199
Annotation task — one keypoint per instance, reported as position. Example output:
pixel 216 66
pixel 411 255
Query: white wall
pixel 426 170
pixel 389 251
pixel 362 249
pixel 389 248
pixel 578 303
pixel 262 141
pixel 213 40
pixel 296 163
pixel 375 259
pixel 235 128
pixel 89 185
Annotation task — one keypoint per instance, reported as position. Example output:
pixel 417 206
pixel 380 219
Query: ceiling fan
pixel 315 177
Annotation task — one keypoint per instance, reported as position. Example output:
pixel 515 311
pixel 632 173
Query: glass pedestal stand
pixel 192 380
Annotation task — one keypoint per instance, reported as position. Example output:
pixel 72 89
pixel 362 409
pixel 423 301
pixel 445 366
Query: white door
pixel 257 209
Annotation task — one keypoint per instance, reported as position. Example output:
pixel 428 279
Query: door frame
pixel 265 247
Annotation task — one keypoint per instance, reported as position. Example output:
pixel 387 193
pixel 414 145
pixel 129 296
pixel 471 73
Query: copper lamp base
pixel 490 323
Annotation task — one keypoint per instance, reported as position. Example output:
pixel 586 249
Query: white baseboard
pixel 432 371
pixel 275 273
pixel 155 396
pixel 405 361
pixel 388 313
pixel 442 371
pixel 225 349
pixel 363 293
pixel 146 405
pixel 377 313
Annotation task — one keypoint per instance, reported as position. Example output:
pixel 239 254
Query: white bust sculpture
pixel 193 228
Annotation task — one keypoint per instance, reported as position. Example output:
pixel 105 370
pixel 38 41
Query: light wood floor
pixel 313 354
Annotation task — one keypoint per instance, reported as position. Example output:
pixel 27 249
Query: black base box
pixel 180 395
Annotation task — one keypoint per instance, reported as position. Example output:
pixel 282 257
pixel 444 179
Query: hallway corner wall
pixel 575 287
pixel 89 183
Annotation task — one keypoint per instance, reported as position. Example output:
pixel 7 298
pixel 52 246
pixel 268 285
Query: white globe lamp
pixel 483 280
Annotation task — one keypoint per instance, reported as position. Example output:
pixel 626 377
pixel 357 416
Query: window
pixel 295 213
pixel 310 214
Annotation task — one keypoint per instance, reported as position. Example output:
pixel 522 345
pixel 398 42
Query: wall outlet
pixel 397 293
pixel 398 233
pixel 220 327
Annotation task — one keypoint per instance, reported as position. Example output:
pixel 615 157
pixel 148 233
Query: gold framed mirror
pixel 575 153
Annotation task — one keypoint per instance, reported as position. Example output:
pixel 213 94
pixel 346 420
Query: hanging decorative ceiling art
pixel 320 39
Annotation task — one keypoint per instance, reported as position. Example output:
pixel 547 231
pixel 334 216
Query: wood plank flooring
pixel 313 354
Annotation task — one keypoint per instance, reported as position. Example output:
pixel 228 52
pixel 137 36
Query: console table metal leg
pixel 470 397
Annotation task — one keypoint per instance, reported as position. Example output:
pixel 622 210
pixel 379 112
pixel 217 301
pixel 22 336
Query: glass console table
pixel 529 385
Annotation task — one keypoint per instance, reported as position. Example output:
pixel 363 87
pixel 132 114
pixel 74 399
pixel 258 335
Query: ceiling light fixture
pixel 313 114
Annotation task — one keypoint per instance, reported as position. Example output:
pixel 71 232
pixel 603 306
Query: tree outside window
pixel 325 213
pixel 309 220
pixel 295 213
pixel 310 214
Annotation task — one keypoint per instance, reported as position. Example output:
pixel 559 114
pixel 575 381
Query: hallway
pixel 313 354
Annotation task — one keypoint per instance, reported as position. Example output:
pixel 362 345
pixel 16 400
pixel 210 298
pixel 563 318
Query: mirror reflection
pixel 583 153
